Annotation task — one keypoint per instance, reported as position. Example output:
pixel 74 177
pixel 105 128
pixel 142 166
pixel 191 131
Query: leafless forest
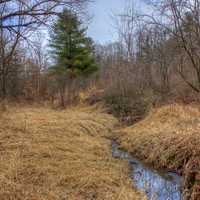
pixel 157 54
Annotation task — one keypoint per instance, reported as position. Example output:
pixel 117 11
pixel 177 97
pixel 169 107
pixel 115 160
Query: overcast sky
pixel 101 29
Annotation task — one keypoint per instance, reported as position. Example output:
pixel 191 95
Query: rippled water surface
pixel 156 185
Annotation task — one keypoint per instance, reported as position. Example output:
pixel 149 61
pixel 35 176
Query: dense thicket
pixel 155 60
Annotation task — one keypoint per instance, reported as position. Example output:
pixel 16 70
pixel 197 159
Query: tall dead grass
pixel 47 154
pixel 169 138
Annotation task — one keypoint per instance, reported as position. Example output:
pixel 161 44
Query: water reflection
pixel 157 186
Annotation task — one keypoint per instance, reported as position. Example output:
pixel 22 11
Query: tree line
pixel 155 59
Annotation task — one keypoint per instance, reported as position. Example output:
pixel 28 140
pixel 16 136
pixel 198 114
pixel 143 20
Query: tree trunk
pixel 3 86
pixel 62 98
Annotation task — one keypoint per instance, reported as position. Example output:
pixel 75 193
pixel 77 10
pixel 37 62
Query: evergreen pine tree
pixel 72 51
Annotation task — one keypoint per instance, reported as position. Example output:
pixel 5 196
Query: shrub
pixel 129 105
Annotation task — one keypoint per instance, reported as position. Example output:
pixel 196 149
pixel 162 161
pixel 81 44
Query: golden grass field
pixel 169 137
pixel 49 154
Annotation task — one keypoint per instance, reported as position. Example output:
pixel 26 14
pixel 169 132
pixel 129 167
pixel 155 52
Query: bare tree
pixel 181 19
pixel 18 20
pixel 35 12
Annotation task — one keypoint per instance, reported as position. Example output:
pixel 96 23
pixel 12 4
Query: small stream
pixel 156 185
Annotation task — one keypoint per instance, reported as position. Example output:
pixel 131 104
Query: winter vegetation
pixel 64 98
pixel 168 138
pixel 48 154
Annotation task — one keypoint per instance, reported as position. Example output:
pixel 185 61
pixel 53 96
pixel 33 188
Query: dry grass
pixel 47 154
pixel 168 138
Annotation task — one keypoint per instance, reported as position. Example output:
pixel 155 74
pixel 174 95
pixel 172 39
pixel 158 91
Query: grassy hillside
pixel 168 138
pixel 47 154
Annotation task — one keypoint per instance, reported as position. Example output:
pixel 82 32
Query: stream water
pixel 156 185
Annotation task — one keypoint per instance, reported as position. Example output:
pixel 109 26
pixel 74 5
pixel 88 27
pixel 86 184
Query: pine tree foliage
pixel 72 51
